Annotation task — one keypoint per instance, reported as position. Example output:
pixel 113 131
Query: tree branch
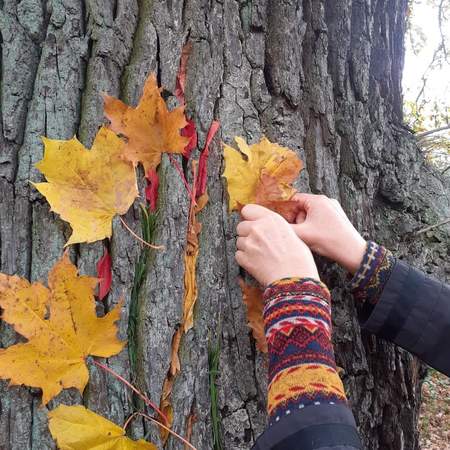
pixel 445 170
pixel 440 19
pixel 435 130
pixel 439 224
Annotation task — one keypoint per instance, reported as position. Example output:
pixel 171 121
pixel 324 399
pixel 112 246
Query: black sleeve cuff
pixel 414 313
pixel 314 427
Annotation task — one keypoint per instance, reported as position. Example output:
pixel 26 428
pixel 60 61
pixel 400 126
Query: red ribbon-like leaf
pixel 104 275
pixel 151 190
pixel 203 161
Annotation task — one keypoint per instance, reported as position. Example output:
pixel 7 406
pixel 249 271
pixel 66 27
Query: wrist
pixel 351 256
pixel 294 274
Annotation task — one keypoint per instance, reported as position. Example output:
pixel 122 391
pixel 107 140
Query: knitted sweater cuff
pixel 368 282
pixel 302 368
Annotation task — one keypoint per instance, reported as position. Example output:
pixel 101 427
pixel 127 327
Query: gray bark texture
pixel 322 77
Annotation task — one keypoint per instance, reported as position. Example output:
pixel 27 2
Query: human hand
pixel 269 249
pixel 323 225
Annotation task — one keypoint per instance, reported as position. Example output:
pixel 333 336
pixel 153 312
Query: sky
pixel 425 28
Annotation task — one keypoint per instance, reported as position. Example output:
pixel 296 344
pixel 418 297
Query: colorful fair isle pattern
pixel 369 281
pixel 302 369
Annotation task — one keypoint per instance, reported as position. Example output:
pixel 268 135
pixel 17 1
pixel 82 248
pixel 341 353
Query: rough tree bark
pixel 321 77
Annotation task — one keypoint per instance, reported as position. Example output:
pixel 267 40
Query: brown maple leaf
pixel 253 299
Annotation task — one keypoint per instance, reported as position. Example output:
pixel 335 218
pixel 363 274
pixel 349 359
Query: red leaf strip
pixel 203 161
pixel 181 76
pixel 189 131
pixel 151 190
pixel 104 274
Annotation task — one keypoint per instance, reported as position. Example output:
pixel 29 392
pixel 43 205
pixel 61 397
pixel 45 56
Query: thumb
pixel 304 232
pixel 254 212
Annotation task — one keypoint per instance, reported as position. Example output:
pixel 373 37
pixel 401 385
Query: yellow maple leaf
pixel 61 327
pixel 190 263
pixel 244 170
pixel 78 428
pixel 150 128
pixel 87 188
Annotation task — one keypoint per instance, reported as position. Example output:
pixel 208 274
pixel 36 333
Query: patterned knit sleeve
pixel 302 368
pixel 368 282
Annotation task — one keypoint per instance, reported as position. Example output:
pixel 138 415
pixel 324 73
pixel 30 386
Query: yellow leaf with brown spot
pixel 87 188
pixel 78 428
pixel 245 168
pixel 150 128
pixel 61 328
pixel 253 299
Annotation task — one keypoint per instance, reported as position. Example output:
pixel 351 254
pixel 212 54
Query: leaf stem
pixel 152 419
pixel 183 178
pixel 157 247
pixel 146 400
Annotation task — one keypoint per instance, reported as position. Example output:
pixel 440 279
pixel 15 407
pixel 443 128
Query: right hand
pixel 269 249
pixel 323 225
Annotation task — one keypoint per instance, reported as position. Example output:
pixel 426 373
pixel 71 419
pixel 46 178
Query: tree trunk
pixel 322 77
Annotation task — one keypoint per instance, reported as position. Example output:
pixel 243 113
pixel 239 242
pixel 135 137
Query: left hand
pixel 269 249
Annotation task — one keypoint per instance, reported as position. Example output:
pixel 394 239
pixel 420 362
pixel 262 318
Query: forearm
pixel 307 405
pixel 302 368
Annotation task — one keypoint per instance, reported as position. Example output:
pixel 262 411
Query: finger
pixel 244 228
pixel 241 243
pixel 254 212
pixel 241 259
pixel 304 232
pixel 301 217
pixel 336 204
pixel 304 200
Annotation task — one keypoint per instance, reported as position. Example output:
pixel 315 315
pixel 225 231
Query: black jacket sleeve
pixel 323 427
pixel 413 311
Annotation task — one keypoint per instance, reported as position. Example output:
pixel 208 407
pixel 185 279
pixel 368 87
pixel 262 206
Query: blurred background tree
pixel 426 79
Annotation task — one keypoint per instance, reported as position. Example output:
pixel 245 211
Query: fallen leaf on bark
pixel 61 327
pixel 269 193
pixel 104 275
pixel 189 300
pixel 150 129
pixel 202 176
pixel 190 132
pixel 151 190
pixel 244 170
pixel 87 188
pixel 253 299
pixel 165 404
pixel 78 428
pixel 190 263
pixel 181 75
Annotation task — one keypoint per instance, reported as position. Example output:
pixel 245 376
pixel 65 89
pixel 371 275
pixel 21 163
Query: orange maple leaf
pixel 269 194
pixel 253 299
pixel 61 327
pixel 150 128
